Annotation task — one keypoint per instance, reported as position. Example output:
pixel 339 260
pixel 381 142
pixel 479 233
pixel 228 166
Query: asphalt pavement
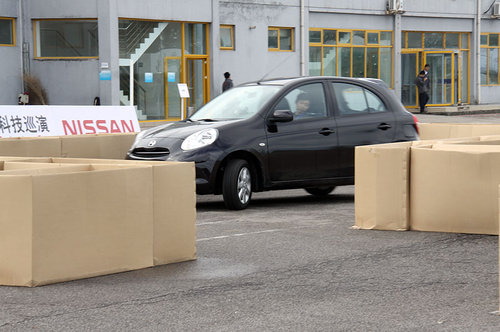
pixel 290 262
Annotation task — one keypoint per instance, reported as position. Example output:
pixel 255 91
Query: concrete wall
pixel 350 21
pixel 65 81
pixel 437 24
pixel 174 10
pixel 11 58
pixel 251 59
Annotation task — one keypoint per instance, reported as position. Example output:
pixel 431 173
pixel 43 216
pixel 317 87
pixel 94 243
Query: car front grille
pixel 151 153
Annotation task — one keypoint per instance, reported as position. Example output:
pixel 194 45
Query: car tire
pixel 320 191
pixel 237 184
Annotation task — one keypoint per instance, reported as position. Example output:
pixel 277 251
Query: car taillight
pixel 415 120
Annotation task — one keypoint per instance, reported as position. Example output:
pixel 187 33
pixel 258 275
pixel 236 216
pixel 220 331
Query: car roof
pixel 293 80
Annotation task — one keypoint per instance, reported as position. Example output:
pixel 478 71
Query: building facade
pixel 132 52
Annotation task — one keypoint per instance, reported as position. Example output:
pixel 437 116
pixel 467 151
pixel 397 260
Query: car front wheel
pixel 237 185
pixel 320 191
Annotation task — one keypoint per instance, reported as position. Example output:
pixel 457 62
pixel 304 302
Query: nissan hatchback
pixel 280 134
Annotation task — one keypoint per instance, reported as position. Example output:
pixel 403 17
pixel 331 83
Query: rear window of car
pixel 353 99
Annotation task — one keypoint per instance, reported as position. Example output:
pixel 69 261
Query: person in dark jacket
pixel 228 82
pixel 422 83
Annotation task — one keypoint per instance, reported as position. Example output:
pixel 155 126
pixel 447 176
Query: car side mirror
pixel 281 116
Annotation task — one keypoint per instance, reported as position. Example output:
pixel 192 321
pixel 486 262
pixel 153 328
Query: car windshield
pixel 236 103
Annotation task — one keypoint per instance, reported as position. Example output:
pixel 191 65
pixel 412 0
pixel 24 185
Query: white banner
pixel 33 121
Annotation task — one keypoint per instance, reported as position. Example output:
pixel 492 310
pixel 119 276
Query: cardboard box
pixel 432 131
pixel 103 146
pixel 454 188
pixel 382 186
pixel 30 147
pixel 74 224
pixel 174 204
pixel 174 207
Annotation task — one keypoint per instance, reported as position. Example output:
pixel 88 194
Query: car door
pixel 297 149
pixel 362 118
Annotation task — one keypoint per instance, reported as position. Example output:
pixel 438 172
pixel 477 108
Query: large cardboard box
pixel 104 146
pixel 73 223
pixel 30 147
pixel 382 186
pixel 454 188
pixel 382 182
pixel 174 205
pixel 432 131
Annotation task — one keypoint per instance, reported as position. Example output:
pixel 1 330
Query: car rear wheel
pixel 320 191
pixel 237 185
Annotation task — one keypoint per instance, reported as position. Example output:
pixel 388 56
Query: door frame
pixel 165 80
pixel 186 78
pixel 451 53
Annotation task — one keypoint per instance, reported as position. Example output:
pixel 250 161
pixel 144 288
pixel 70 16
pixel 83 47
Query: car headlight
pixel 138 137
pixel 200 139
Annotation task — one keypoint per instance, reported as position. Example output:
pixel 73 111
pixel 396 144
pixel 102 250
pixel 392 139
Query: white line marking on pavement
pixel 259 232
pixel 214 222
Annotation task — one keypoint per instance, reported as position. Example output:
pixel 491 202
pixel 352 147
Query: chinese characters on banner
pixel 15 124
pixel 33 121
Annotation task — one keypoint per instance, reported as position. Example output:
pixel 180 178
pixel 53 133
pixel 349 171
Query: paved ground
pixel 477 118
pixel 291 262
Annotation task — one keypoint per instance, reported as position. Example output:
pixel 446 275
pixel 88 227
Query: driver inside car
pixel 302 106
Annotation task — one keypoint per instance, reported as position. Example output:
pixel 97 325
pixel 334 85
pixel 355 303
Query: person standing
pixel 228 82
pixel 422 83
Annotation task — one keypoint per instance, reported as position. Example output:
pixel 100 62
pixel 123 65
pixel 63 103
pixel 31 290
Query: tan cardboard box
pixel 174 206
pixel 382 186
pixel 454 188
pixel 74 224
pixel 432 131
pixel 103 146
pixel 30 147
pixel 382 181
pixel 109 146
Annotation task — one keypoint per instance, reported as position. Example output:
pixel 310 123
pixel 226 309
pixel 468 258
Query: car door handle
pixel 326 131
pixel 384 126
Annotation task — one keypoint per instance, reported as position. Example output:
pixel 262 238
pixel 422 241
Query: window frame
pixel 278 49
pixel 38 46
pixel 231 28
pixel 364 89
pixel 488 47
pixel 13 30
pixel 352 47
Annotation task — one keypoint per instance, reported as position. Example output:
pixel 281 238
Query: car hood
pixel 183 129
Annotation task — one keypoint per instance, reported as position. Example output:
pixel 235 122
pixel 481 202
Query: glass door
pixel 442 77
pixel 409 66
pixel 172 73
pixel 196 79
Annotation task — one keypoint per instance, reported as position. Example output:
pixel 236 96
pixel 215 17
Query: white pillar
pixel 396 55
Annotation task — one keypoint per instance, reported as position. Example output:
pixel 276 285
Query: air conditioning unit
pixel 395 5
pixel 496 9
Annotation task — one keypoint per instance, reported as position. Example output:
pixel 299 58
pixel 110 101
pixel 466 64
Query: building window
pixel 489 59
pixel 7 32
pixel 280 39
pixel 351 53
pixel 66 39
pixel 227 37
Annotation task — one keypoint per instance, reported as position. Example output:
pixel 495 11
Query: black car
pixel 280 134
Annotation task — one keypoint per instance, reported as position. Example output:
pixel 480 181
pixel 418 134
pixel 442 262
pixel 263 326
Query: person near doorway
pixel 228 82
pixel 427 67
pixel 422 83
